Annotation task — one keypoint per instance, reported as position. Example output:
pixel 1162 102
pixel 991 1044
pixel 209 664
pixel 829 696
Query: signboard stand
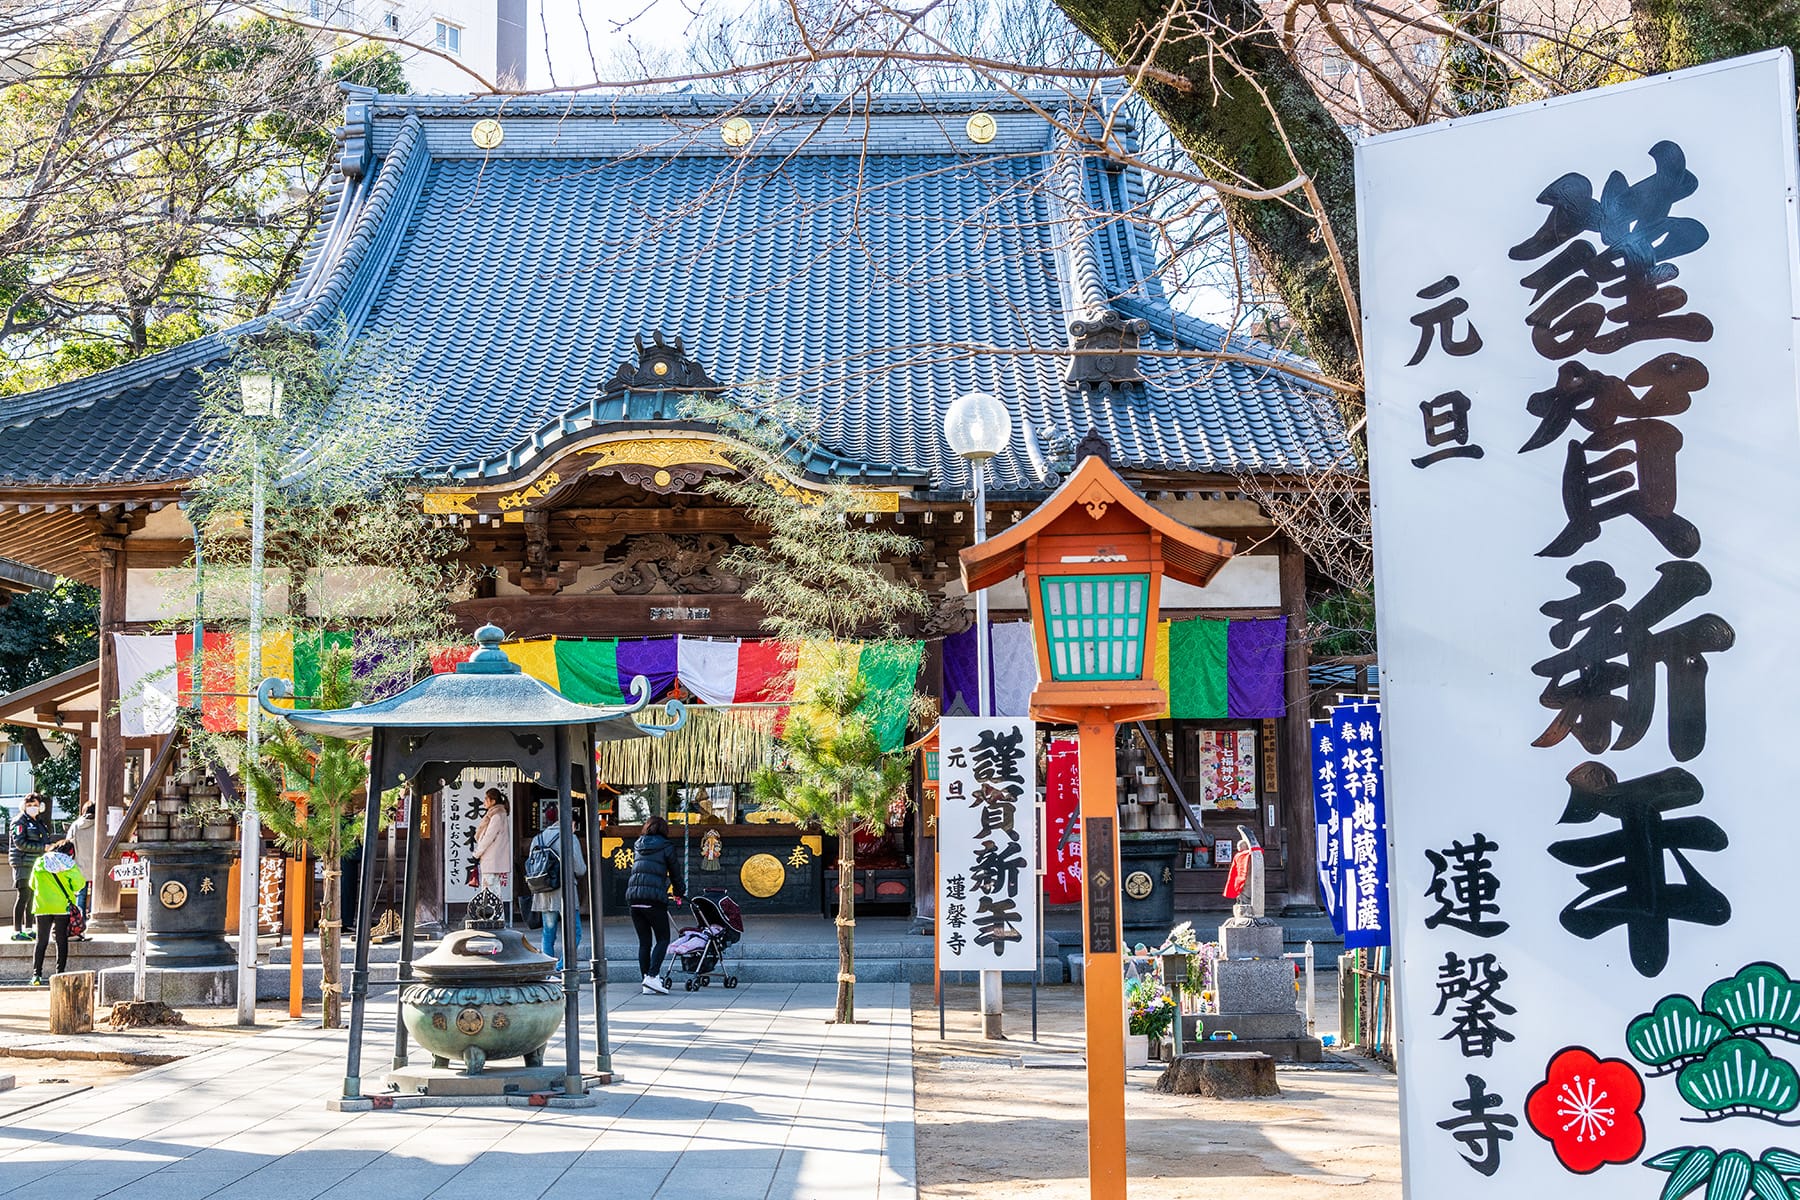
pixel 1584 450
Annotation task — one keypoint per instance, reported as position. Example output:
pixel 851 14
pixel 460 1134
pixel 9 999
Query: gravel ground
pixel 989 1124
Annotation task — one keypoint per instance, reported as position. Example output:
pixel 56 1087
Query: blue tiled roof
pixel 872 267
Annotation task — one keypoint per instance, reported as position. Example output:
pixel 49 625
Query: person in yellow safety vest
pixel 55 882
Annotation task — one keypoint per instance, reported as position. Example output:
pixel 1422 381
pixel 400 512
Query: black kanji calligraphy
pixel 1595 400
pixel 1472 985
pixel 1447 426
pixel 997 868
pixel 997 923
pixel 1481 1127
pixel 956 888
pixel 1624 872
pixel 1465 887
pixel 997 755
pixel 1439 321
pixel 998 808
pixel 1624 470
pixel 1604 677
pixel 1633 264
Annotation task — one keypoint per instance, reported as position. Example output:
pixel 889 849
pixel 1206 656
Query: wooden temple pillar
pixel 109 774
pixel 1300 831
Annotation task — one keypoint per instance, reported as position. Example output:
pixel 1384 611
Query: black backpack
pixel 543 866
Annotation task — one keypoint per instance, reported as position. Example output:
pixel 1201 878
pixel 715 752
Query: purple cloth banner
pixel 1256 667
pixel 960 673
pixel 656 659
pixel 379 664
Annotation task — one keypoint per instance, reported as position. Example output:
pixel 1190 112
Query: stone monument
pixel 1254 983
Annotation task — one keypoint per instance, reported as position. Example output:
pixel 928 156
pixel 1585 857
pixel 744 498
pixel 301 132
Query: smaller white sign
pixel 986 834
pixel 463 803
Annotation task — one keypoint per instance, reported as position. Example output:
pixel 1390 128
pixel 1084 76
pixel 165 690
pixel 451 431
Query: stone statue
pixel 1249 902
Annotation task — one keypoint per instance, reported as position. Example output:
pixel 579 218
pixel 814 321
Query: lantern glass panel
pixel 1095 625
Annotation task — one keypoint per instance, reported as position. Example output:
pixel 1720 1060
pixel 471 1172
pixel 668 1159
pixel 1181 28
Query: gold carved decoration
pixel 762 875
pixel 487 133
pixel 1096 500
pixel 656 452
pixel 981 128
pixel 737 132
pixel 814 842
pixel 531 493
pixel 172 894
pixel 449 502
pixel 1138 884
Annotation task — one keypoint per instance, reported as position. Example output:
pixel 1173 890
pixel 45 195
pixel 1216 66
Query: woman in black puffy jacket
pixel 655 876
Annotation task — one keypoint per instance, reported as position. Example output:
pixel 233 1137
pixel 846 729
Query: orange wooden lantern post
pixel 1093 556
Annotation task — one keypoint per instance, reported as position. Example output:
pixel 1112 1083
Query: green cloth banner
pixel 889 671
pixel 1197 675
pixel 588 671
pixel 309 648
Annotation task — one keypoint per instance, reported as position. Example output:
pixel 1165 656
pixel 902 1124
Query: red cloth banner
pixel 1062 802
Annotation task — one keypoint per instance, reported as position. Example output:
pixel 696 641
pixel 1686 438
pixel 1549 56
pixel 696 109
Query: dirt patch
pixel 997 1120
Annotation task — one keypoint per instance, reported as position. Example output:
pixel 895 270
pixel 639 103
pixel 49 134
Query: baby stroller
pixel 702 949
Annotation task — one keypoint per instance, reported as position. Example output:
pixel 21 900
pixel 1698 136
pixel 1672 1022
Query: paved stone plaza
pixel 725 1094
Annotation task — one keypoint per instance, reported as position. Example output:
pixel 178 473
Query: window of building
pixel 391 22
pixel 449 37
pixel 1334 63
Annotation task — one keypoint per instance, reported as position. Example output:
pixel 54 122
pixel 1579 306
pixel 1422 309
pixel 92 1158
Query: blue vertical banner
pixel 1351 811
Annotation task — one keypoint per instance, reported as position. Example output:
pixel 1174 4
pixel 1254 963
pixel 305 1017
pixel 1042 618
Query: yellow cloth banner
pixel 277 660
pixel 536 658
pixel 1161 665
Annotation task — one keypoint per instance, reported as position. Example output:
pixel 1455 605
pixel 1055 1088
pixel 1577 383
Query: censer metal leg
pixel 572 1082
pixel 359 972
pixel 409 907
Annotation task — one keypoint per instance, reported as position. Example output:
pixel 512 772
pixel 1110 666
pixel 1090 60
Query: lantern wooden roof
pixel 1096 503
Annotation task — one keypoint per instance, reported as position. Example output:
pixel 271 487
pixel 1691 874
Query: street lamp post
pixel 260 392
pixel 1094 556
pixel 978 427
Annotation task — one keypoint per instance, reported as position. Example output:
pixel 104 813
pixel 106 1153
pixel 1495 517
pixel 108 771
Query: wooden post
pixel 297 873
pixel 72 1002
pixel 1300 832
pixel 109 742
pixel 1103 981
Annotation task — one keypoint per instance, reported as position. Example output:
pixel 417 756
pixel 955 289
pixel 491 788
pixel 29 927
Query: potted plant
pixel 1150 1010
pixel 213 819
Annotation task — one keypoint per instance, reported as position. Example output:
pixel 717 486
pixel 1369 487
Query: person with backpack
pixel 55 882
pixel 545 877
pixel 654 877
pixel 30 834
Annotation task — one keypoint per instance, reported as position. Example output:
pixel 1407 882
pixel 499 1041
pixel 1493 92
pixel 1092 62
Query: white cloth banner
pixel 1015 668
pixel 147 688
pixel 1585 460
pixel 708 669
pixel 987 839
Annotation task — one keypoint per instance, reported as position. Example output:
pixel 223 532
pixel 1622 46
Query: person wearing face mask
pixel 30 834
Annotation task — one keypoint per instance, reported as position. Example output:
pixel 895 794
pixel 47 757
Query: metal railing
pixel 1366 1002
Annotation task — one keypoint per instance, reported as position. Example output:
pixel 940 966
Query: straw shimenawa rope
pixel 719 744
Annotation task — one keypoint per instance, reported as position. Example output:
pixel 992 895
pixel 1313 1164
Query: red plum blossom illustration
pixel 1587 1108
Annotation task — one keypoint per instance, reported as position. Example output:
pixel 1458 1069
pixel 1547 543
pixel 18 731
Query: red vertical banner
pixel 1062 803
pixel 218 679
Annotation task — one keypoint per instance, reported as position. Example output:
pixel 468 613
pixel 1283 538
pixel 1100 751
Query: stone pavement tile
pixel 122 1181
pixel 517 1181
pixel 271 1183
pixel 607 1158
pixel 414 1181
pixel 582 1183
pixel 713 1180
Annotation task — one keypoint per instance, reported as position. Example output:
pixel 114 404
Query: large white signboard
pixel 1586 469
pixel 987 838
pixel 463 804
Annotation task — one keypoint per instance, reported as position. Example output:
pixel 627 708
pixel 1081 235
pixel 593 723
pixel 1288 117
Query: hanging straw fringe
pixel 719 744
